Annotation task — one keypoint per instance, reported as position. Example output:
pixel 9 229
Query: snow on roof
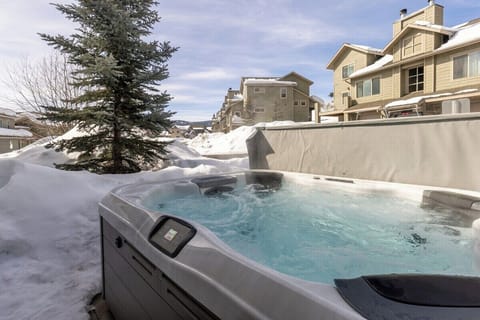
pixel 433 26
pixel 464 34
pixel 367 48
pixel 373 67
pixel 237 97
pixel 15 133
pixel 416 100
pixel 185 127
pixel 8 112
pixel 318 99
pixel 269 81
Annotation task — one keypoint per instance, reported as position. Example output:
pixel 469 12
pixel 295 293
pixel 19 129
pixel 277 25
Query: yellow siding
pixel 429 75
pixel 359 59
pixel 385 87
pixel 444 70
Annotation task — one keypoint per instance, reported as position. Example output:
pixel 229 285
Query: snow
pixel 415 100
pixel 8 112
pixel 237 97
pixel 433 26
pixel 221 143
pixel 367 48
pixel 465 34
pixel 15 133
pixel 373 67
pixel 183 128
pixel 318 99
pixel 269 81
pixel 49 235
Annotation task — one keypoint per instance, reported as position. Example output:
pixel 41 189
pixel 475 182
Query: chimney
pixel 403 13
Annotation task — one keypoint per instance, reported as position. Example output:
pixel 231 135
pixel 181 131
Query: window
pixel 467 65
pixel 456 106
pixel 474 64
pixel 238 114
pixel 295 103
pixel 460 65
pixel 368 87
pixel 258 90
pixel 415 79
pixel 303 102
pixel 345 99
pixel 259 110
pixel 347 70
pixel 412 45
pixel 283 93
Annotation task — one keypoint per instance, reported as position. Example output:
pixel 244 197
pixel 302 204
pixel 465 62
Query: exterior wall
pixel 429 75
pixel 301 113
pixel 8 144
pixel 386 87
pixel 302 84
pixel 274 107
pixel 367 115
pixel 432 14
pixel 7 122
pixel 475 105
pixel 340 85
pixel 444 70
pixel 376 150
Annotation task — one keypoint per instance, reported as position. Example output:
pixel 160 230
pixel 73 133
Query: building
pixel 11 137
pixel 425 69
pixel 266 99
pixel 181 131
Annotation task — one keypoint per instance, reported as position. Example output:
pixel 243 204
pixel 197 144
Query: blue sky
pixel 220 41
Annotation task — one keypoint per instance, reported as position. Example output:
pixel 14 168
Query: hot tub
pixel 168 256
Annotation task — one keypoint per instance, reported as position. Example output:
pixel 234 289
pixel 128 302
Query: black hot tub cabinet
pixel 157 266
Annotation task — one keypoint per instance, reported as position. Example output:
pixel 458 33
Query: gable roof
pixel 357 47
pixel 380 63
pixel 293 73
pixel 465 34
pixel 419 25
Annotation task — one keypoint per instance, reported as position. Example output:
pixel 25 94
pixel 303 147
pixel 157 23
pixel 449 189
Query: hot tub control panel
pixel 170 235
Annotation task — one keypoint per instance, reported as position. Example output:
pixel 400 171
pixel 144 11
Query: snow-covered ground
pixel 49 227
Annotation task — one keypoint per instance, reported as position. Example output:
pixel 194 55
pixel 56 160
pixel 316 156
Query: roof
pixel 439 96
pixel 357 47
pixel 383 61
pixel 419 25
pixel 317 99
pixel 184 128
pixel 293 73
pixel 268 82
pixel 15 133
pixel 465 34
pixel 8 112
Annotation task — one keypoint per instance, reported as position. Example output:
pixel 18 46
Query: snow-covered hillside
pixel 49 231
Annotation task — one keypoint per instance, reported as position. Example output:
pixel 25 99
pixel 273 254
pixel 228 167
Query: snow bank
pixel 50 257
pixel 221 143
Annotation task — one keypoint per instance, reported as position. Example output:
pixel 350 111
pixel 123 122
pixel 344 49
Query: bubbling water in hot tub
pixel 319 233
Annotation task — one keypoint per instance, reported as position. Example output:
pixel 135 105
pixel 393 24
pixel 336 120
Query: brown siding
pixel 302 84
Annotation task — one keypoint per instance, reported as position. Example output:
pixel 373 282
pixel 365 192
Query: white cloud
pixel 208 74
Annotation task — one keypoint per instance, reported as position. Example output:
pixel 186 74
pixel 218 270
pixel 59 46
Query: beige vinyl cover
pixel 441 151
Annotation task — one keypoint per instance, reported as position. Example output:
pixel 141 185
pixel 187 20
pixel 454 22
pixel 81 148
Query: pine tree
pixel 118 72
